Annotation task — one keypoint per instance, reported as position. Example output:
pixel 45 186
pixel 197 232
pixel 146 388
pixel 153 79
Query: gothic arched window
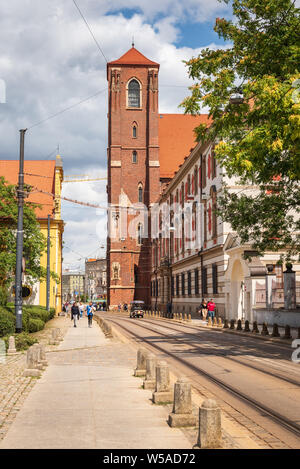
pixel 134 156
pixel 134 131
pixel 140 192
pixel 134 93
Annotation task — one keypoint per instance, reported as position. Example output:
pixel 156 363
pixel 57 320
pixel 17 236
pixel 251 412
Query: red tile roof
pixel 133 57
pixel 9 170
pixel 176 139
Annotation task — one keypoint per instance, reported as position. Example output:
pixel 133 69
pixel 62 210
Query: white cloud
pixel 49 61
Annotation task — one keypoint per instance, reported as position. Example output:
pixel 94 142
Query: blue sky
pixel 193 34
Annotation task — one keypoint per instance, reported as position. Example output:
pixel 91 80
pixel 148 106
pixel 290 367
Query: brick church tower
pixel 133 174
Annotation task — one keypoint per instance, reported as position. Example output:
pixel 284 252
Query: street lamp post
pixel 20 236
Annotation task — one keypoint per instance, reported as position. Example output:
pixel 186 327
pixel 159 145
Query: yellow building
pixel 46 178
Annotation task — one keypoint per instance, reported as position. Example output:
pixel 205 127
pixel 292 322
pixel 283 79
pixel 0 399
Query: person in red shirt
pixel 211 306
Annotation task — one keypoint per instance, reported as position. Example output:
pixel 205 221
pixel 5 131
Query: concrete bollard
pixel 275 332
pixel 264 330
pixel 287 332
pixel 220 322
pixel 232 323
pixel 37 351
pixel 214 321
pixel 182 409
pixel 54 339
pixel 32 363
pixel 239 325
pixel 247 328
pixel 209 321
pixel 141 363
pixel 11 346
pixel 185 317
pixel 150 380
pixel 226 326
pixel 180 316
pixel 210 431
pixel 255 328
pixel 43 357
pixel 162 392
pixel 190 317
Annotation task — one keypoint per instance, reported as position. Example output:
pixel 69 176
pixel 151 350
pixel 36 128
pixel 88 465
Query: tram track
pixel 275 416
pixel 234 359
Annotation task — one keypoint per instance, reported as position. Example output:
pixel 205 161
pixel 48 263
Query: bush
pixel 22 341
pixel 35 325
pixel 7 323
pixel 33 318
pixel 25 321
pixel 3 296
pixel 41 314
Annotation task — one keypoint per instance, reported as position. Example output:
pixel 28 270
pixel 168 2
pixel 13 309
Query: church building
pixel 145 149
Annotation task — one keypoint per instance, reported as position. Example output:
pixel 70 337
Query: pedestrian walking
pixel 90 313
pixel 81 309
pixel 75 314
pixel 203 309
pixel 119 307
pixel 211 306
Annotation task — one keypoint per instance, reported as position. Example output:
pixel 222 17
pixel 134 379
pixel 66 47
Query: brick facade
pixel 129 264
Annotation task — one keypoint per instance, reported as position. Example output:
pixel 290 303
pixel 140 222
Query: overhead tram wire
pixel 90 30
pixel 77 104
pixel 66 109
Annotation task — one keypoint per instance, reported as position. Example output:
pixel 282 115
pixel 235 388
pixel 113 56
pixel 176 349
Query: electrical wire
pixel 81 256
pixel 66 109
pixel 90 30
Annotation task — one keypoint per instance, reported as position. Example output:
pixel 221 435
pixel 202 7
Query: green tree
pixel 34 241
pixel 251 88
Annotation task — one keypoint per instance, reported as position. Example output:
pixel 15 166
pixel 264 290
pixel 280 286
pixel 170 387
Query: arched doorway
pixel 237 290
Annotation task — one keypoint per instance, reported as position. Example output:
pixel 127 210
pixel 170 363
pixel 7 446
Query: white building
pixel 196 255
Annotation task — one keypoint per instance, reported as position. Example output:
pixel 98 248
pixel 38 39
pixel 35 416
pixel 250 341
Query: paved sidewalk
pixel 88 398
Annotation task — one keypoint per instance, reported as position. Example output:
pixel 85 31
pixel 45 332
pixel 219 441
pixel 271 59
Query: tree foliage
pixel 258 139
pixel 34 241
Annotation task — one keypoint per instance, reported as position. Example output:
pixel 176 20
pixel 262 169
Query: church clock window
pixel 134 93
